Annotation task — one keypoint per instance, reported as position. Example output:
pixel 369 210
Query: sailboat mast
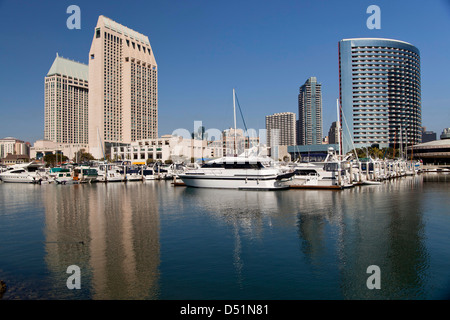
pixel 234 111
pixel 338 127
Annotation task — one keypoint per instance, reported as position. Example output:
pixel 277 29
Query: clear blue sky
pixel 205 48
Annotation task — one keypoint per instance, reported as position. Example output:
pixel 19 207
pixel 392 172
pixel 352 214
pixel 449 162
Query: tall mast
pixel 338 127
pixel 234 111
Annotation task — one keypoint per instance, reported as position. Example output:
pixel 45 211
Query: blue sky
pixel 205 48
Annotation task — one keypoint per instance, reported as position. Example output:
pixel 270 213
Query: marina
pixel 150 240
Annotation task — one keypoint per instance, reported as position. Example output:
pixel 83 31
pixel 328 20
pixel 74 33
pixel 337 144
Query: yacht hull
pixel 12 178
pixel 233 182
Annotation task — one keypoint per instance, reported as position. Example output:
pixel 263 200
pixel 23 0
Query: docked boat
pixel 329 174
pixel 237 173
pixel 22 173
pixel 132 174
pixel 85 174
pixel 149 174
pixel 62 175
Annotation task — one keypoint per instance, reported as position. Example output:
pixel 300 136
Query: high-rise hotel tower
pixel 309 124
pixel 280 129
pixel 66 102
pixel 379 82
pixel 123 90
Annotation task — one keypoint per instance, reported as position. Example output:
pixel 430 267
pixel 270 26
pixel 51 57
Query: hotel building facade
pixel 309 125
pixel 281 129
pixel 66 102
pixel 380 97
pixel 123 92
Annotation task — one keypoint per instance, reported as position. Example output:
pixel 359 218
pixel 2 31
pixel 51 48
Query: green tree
pixel 52 160
pixel 83 156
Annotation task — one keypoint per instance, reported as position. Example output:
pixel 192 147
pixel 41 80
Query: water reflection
pixel 111 231
pixel 373 225
pixel 154 241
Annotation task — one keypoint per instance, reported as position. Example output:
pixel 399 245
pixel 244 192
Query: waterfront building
pixel 380 97
pixel 123 92
pixel 166 148
pixel 10 145
pixel 66 102
pixel 12 159
pixel 432 152
pixel 41 148
pixel 309 126
pixel 281 129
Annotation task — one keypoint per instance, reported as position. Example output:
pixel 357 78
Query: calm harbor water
pixel 154 241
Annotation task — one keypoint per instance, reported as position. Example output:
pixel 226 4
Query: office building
pixel 309 126
pixel 380 98
pixel 123 92
pixel 333 133
pixel 280 129
pixel 66 102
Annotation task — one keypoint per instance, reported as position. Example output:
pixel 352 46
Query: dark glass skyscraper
pixel 379 83
pixel 309 124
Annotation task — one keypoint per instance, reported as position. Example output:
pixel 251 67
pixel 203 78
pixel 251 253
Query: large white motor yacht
pixel 22 173
pixel 237 173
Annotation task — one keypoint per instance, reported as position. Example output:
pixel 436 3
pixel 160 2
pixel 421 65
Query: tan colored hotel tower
pixel 123 92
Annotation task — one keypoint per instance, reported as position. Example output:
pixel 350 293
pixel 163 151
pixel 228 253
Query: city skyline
pixel 205 49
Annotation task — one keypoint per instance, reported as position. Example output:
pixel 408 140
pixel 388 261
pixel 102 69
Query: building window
pixel 97 33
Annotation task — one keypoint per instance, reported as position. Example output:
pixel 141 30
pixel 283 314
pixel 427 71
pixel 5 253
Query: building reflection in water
pixel 111 231
pixel 374 225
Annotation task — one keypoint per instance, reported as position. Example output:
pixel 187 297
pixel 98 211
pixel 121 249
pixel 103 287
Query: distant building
pixel 309 125
pixel 280 129
pixel 13 146
pixel 123 88
pixel 333 133
pixel 243 142
pixel 445 134
pixel 428 136
pixel 66 102
pixel 380 95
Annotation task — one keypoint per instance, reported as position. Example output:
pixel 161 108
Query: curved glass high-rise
pixel 379 83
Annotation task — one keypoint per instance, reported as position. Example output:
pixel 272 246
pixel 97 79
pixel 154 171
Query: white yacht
pixel 237 173
pixel 133 174
pixel 22 173
pixel 330 174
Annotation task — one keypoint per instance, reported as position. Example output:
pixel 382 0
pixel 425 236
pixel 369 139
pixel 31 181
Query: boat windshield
pixel 332 166
pixel 234 165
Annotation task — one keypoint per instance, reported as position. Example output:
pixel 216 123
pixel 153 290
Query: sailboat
pixel 237 171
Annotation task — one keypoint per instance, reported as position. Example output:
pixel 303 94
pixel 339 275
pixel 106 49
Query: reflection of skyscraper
pixel 309 127
pixel 122 87
pixel 379 82
pixel 111 232
pixel 124 248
